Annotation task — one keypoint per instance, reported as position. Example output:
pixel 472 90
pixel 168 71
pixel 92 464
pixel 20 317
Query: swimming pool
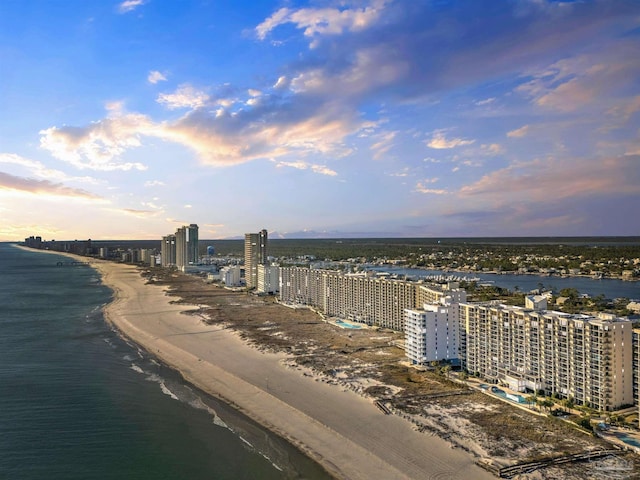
pixel 509 396
pixel 342 324
pixel 634 442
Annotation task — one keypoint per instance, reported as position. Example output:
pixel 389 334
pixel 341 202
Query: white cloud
pixel 282 83
pixel 438 141
pixel 155 77
pixel 270 131
pixel 402 173
pixel 540 180
pixel 383 144
pixel 519 132
pixel 584 81
pixel 320 169
pixel 370 68
pixel 130 5
pixel 421 187
pixel 154 183
pixel 186 96
pixel 626 109
pixel 491 149
pixel 486 101
pixel 96 146
pixel 324 21
pixel 40 170
pixel 114 106
pixel 218 137
pixel 29 186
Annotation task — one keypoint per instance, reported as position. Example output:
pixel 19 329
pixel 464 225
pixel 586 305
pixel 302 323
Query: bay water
pixel 78 401
pixel 609 287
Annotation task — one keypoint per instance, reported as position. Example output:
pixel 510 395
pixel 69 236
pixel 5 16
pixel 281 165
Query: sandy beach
pixel 338 428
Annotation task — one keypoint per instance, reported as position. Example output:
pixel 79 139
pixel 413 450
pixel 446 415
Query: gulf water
pixel 77 401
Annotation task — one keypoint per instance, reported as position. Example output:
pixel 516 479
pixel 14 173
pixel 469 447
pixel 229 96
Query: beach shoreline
pixel 342 431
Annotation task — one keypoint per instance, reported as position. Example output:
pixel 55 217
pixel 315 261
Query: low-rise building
pixel 231 275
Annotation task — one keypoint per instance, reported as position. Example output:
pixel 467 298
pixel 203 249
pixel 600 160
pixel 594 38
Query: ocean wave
pixel 198 404
pixel 166 391
pixel 246 441
pixel 159 380
pixel 136 368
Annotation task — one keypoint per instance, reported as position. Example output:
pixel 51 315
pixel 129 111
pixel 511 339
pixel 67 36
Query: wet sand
pixel 338 428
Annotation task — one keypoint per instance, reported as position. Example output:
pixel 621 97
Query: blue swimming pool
pixel 634 442
pixel 509 396
pixel 342 324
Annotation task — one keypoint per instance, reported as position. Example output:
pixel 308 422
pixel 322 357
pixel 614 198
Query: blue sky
pixel 421 118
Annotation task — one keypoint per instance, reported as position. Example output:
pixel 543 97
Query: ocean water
pixel 77 401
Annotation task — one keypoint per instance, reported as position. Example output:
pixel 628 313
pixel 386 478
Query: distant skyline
pixel 378 118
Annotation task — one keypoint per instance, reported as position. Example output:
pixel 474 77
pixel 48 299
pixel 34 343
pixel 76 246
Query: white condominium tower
pixel 268 279
pixel 588 359
pixel 255 253
pixel 431 333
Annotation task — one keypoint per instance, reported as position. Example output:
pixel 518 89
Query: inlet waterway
pixel 609 287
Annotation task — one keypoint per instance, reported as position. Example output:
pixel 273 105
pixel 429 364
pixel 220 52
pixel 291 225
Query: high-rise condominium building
pixel 588 359
pixel 168 250
pixel 431 333
pixel 187 246
pixel 268 279
pixel 255 253
pixel 364 298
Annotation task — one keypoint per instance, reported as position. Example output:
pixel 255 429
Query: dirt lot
pixel 367 361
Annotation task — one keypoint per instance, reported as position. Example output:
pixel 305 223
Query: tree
pixel 570 293
pixel 545 403
pixel 568 402
pixel 585 422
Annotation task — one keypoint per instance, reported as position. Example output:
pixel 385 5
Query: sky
pixel 373 118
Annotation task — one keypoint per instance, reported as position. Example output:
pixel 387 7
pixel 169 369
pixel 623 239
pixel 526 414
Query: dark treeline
pixel 573 249
pixel 588 248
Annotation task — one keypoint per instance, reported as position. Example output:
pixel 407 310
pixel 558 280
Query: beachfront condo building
pixel 187 246
pixel 231 275
pixel 255 253
pixel 431 332
pixel 363 297
pixel 636 368
pixel 168 250
pixel 268 279
pixel 588 359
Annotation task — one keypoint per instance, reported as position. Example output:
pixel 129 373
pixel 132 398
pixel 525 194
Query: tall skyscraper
pixel 255 253
pixel 187 246
pixel 168 250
